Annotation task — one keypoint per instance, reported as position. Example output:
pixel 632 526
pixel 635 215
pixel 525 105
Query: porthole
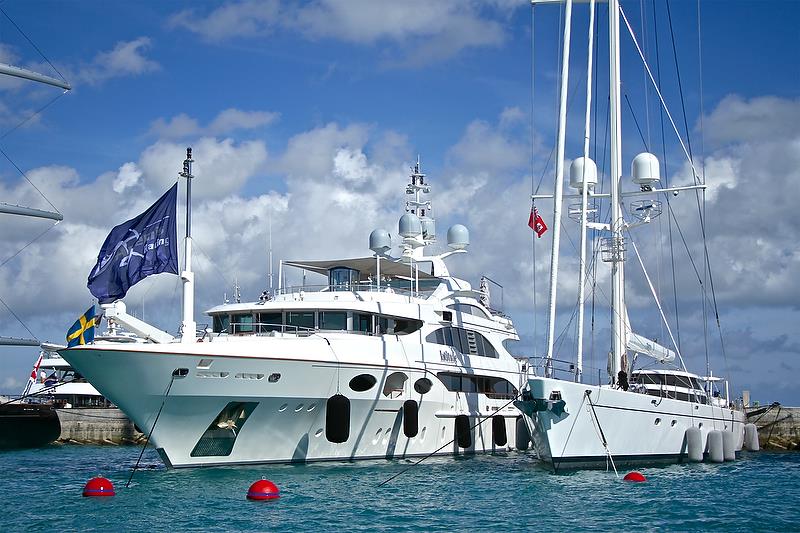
pixel 318 433
pixel 363 382
pixel 673 423
pixel 395 382
pixel 700 425
pixel 274 377
pixel 298 408
pixel 283 407
pixel 423 385
pixel 657 422
pixel 311 407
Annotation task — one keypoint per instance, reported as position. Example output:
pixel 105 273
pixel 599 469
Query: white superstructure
pixel 657 415
pixel 388 357
pixel 53 379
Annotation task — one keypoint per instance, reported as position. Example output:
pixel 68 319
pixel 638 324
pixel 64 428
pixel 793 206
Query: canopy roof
pixel 367 266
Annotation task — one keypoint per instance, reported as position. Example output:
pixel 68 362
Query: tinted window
pixel 221 323
pixel 242 323
pixel 362 322
pixel 302 320
pixel 335 320
pixel 493 387
pixel 269 321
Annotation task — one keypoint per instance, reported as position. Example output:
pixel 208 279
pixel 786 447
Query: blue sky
pixel 310 113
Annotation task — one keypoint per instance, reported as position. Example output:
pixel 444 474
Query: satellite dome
pixel 379 241
pixel 458 237
pixel 582 169
pixel 410 225
pixel 645 169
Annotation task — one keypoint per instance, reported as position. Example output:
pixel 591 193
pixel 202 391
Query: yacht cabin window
pixel 465 341
pixel 343 279
pixel 302 320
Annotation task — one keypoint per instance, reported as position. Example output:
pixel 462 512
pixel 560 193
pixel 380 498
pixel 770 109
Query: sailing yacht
pixel 387 357
pixel 653 413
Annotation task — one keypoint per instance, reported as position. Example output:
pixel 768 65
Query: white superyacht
pixel 389 357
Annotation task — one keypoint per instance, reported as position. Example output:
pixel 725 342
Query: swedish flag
pixel 82 331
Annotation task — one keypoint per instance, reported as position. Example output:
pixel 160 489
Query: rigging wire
pixel 28 179
pixel 32 43
pixel 42 234
pixel 666 181
pixel 18 319
pixel 30 117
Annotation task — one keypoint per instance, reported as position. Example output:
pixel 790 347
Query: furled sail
pixel 645 346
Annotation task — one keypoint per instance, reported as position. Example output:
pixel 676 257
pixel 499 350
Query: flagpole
pixel 188 326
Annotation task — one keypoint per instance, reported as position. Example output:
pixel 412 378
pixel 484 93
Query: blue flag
pixel 82 331
pixel 137 248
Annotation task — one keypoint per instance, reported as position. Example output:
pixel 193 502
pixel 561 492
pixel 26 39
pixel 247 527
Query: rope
pixel 443 446
pixel 587 394
pixel 40 391
pixel 42 234
pixel 147 440
pixel 28 179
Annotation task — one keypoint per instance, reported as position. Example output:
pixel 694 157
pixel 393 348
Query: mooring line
pixel 150 433
pixel 443 446
pixel 602 435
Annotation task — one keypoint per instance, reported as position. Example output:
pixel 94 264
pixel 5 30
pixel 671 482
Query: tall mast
pixel 585 196
pixel 617 244
pixel 188 326
pixel 559 185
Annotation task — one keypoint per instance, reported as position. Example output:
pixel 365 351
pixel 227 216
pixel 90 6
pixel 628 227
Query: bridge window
pixel 221 323
pixel 343 279
pixel 302 320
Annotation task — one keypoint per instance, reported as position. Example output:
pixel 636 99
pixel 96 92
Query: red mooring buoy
pixel 263 489
pixel 634 476
pixel 98 486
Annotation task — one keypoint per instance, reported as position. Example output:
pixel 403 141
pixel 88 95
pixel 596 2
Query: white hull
pixel 288 422
pixel 639 429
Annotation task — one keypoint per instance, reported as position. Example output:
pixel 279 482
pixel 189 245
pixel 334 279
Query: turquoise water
pixel 41 490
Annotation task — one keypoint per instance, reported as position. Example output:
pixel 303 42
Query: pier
pixel 778 426
pixel 97 426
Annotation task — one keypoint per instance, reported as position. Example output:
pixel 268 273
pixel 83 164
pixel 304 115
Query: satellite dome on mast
pixel 379 241
pixel 457 237
pixel 645 170
pixel 409 226
pixel 582 170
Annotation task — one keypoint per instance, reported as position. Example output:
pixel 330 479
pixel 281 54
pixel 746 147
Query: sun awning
pixel 366 266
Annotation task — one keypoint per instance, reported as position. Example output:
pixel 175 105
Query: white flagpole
pixel 188 326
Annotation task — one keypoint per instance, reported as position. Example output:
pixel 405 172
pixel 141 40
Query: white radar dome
pixel 410 225
pixel 458 237
pixel 379 241
pixel 645 169
pixel 582 169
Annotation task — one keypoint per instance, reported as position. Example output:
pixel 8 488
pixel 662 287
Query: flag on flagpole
pixel 34 372
pixel 536 223
pixel 82 331
pixel 135 249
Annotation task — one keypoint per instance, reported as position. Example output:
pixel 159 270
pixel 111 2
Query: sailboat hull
pixel 638 429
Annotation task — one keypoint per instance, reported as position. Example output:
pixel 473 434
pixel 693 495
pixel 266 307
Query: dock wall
pixel 97 426
pixel 778 426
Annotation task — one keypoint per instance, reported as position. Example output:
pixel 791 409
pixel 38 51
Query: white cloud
pixel 125 59
pixel 426 31
pixel 127 176
pixel 226 121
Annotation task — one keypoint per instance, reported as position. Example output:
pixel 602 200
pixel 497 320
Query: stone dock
pixel 778 426
pixel 97 426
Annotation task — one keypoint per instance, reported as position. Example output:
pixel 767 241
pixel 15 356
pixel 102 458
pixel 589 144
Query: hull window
pixel 337 419
pixel 363 382
pixel 464 340
pixel 395 383
pixel 423 385
pixel 219 438
pixel 491 386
